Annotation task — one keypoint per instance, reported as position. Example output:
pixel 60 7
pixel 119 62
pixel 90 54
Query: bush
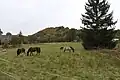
pixel 15 41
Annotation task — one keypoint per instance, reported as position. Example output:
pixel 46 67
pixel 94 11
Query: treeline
pixel 51 34
pixel 10 40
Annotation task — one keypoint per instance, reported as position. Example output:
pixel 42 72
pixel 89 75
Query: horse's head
pixel 23 50
pixel 61 48
pixel 29 50
pixel 18 51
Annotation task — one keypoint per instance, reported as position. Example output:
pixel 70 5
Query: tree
pixel 15 41
pixel 9 36
pixel 71 35
pixel 99 25
pixel 1 32
pixel 0 35
pixel 49 37
pixel 21 37
pixel 20 34
pixel 32 38
pixel 118 34
pixel 6 40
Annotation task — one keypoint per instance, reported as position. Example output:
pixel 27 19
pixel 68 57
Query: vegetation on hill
pixel 57 34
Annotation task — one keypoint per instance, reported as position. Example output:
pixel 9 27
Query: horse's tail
pixel 61 48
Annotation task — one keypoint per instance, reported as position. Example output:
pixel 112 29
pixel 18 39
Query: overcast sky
pixel 30 16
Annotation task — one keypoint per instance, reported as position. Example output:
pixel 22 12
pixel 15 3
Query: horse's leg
pixel 38 53
pixel 69 50
pixel 73 50
pixel 17 54
pixel 24 53
pixel 64 50
pixel 30 53
pixel 27 53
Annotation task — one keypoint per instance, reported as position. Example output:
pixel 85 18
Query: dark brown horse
pixel 33 49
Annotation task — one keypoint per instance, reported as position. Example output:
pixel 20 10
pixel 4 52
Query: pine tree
pixel 1 32
pixel 99 25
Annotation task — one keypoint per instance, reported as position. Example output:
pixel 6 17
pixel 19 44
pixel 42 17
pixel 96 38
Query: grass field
pixel 52 64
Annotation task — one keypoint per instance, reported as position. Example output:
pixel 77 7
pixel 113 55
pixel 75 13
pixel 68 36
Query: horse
pixel 20 50
pixel 33 49
pixel 67 48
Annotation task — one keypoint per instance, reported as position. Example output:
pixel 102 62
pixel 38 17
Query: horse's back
pixel 29 49
pixel 33 49
pixel 68 48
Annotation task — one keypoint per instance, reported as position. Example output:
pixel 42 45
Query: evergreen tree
pixel 1 32
pixel 99 25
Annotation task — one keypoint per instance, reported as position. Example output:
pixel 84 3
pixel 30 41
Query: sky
pixel 31 16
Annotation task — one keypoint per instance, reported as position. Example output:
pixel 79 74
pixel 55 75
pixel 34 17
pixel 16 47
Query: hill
pixel 57 34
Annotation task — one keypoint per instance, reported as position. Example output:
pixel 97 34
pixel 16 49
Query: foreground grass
pixel 55 65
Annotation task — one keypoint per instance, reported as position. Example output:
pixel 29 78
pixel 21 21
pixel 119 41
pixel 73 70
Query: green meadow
pixel 53 64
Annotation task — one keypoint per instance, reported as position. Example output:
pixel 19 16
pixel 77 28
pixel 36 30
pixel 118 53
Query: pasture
pixel 52 64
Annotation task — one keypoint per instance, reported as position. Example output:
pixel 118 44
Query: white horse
pixel 67 48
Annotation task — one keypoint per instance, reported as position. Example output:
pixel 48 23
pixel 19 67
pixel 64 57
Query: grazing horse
pixel 33 49
pixel 67 48
pixel 20 50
